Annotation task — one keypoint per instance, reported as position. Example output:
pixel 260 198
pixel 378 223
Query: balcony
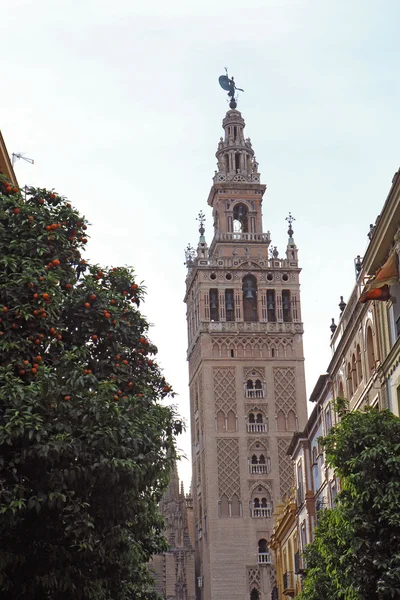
pixel 262 513
pixel 300 495
pixel 259 469
pixel 255 393
pixel 264 558
pixel 257 428
pixel 275 593
pixel 288 584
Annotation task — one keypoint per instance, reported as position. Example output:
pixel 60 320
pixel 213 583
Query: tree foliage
pixel 356 551
pixel 86 445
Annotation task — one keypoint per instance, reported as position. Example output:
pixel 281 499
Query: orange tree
pixel 86 444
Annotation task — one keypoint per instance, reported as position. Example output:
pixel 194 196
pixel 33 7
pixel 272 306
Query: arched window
pixel 259 418
pixel 341 390
pixel 370 352
pixel 261 504
pixel 224 506
pixel 281 421
pixel 255 594
pixel 254 386
pixel 359 366
pixel 240 218
pixel 314 455
pixel 261 460
pixel 349 380
pixel 262 546
pixel 231 421
pixel 252 418
pixel 249 288
pixel 291 421
pixel 354 372
pixel 220 421
pixel 254 459
pixel 235 506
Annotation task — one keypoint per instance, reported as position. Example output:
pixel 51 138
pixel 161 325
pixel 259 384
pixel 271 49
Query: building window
pixel 370 352
pixel 349 380
pixel 359 365
pixel 354 373
pixel 314 456
pixel 328 419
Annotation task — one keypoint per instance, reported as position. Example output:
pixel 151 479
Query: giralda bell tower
pixel 246 370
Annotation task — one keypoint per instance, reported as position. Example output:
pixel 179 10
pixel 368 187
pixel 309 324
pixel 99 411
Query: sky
pixel 118 103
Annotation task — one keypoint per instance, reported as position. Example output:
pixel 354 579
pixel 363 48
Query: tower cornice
pixel 232 188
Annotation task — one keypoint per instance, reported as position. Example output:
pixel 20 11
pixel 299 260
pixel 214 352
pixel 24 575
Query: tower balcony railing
pixel 259 469
pixel 257 428
pixel 238 236
pixel 261 513
pixel 255 393
pixel 264 558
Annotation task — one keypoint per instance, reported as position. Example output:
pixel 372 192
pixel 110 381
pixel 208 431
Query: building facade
pixel 6 167
pixel 174 571
pixel 246 377
pixel 364 369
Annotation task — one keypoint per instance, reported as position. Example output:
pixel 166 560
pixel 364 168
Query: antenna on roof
pixel 18 155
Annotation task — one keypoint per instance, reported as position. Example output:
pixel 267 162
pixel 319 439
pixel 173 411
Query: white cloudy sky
pixel 119 105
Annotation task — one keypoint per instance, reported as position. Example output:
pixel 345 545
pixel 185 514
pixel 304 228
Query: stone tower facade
pixel 174 571
pixel 246 371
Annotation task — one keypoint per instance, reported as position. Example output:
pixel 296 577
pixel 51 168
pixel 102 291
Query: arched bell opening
pixel 240 218
pixel 249 288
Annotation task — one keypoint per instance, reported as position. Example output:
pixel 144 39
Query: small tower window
pixel 240 218
pixel 286 305
pixel 271 305
pixel 250 298
pixel 214 307
pixel 237 162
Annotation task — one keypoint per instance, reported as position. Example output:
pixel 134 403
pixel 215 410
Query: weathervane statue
pixel 229 85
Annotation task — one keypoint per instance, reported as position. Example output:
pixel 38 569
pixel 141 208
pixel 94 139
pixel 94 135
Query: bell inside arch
pixel 229 301
pixel 249 294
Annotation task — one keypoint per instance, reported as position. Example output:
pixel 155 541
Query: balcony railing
pixel 298 564
pixel 258 469
pixel 253 393
pixel 288 584
pixel 300 495
pixel 264 558
pixel 261 513
pixel 257 427
pixel 238 236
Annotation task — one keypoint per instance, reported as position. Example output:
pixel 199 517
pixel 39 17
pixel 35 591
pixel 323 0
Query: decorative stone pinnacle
pixel 190 253
pixel 201 219
pixel 290 220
